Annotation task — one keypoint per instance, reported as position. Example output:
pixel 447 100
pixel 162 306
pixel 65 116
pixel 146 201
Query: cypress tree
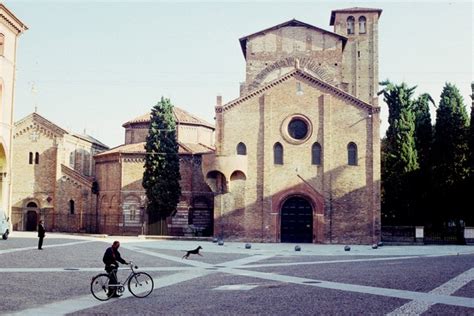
pixel 450 154
pixel 423 142
pixel 423 129
pixel 161 176
pixel 399 156
pixel 470 182
pixel 471 136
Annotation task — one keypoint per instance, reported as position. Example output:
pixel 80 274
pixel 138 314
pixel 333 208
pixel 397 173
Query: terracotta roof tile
pixel 181 116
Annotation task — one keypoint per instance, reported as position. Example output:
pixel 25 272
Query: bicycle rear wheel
pixel 100 287
pixel 140 284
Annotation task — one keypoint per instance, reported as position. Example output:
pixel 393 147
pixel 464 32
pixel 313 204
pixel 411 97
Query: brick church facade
pixel 295 158
pixel 306 167
pixel 54 173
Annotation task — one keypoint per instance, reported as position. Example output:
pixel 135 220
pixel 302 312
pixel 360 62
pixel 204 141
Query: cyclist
pixel 111 259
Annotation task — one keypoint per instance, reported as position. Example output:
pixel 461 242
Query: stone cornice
pixel 303 74
pixel 36 118
pixel 12 20
pixel 76 176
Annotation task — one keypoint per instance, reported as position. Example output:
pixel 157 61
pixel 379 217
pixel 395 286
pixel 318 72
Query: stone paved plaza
pixel 268 279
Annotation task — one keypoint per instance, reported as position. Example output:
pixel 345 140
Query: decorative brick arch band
pixel 314 198
pixel 304 63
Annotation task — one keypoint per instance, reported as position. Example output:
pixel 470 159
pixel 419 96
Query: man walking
pixel 41 234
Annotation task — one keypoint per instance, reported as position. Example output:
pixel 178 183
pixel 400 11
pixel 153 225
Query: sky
pixel 93 65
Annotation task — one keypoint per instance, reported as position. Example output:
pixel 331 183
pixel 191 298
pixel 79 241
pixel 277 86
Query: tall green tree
pixel 161 176
pixel 470 182
pixel 423 142
pixel 471 135
pixel 423 129
pixel 450 154
pixel 399 156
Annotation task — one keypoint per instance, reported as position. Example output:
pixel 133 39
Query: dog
pixel 192 252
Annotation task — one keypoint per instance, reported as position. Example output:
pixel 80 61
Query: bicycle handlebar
pixel 132 266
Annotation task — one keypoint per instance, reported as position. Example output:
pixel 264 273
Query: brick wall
pixel 341 194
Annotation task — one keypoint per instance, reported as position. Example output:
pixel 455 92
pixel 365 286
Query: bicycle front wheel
pixel 100 287
pixel 140 284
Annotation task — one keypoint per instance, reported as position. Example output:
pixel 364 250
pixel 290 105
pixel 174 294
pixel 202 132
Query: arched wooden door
pixel 297 221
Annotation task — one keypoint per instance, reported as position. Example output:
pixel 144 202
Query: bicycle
pixel 140 284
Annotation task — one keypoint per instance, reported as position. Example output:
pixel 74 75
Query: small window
pixel 316 154
pixel 2 44
pixel 350 25
pixel 352 154
pixel 362 24
pixel 241 149
pixel 71 207
pixel 37 158
pixel 278 154
pixel 71 159
pixel 299 88
pixel 31 158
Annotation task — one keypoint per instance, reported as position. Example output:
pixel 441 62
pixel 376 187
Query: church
pixel 295 158
pixel 306 167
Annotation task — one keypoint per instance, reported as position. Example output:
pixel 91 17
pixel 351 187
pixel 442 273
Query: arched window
pixel 71 159
pixel 31 204
pixel 350 25
pixel 362 24
pixel 352 154
pixel 241 149
pixel 71 206
pixel 2 44
pixel 31 158
pixel 278 154
pixel 37 158
pixel 87 164
pixel 316 154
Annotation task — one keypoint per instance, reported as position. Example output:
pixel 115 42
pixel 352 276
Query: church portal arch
pixel 296 216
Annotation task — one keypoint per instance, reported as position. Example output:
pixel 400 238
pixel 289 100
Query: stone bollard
pixel 297 248
pixel 248 246
pixel 220 242
pixel 347 248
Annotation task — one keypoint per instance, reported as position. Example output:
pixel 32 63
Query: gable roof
pixel 294 22
pixel 77 176
pixel 57 129
pixel 303 74
pixel 40 119
pixel 352 10
pixel 90 139
pixel 11 19
pixel 181 117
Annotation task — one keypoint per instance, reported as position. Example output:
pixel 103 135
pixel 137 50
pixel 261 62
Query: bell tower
pixel 360 59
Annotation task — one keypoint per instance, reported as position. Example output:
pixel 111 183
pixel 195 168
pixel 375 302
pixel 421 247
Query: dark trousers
pixel 40 242
pixel 112 271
